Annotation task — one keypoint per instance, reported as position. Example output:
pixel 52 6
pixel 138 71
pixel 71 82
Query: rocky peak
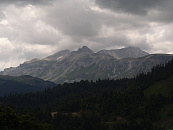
pixel 132 52
pixel 84 49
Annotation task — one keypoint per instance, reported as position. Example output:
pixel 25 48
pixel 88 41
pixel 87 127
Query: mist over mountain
pixel 84 64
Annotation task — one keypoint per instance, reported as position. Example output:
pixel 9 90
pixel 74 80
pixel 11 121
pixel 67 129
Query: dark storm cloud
pixel 162 13
pixel 140 7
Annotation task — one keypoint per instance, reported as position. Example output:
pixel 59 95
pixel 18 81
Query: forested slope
pixel 143 102
pixel 22 84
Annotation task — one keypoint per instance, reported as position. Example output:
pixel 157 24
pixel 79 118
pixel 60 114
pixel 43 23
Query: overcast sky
pixel 37 28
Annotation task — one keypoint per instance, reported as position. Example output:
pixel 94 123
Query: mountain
pixel 141 103
pixel 69 66
pixel 129 52
pixel 22 84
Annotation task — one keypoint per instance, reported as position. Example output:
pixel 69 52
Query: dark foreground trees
pixel 9 120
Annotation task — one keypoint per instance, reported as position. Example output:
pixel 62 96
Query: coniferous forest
pixel 144 102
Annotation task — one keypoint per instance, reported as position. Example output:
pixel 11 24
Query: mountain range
pixel 85 64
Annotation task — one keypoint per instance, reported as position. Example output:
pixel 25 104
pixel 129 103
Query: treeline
pixel 136 103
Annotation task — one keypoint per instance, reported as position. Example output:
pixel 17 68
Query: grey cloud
pixel 1 15
pixel 163 13
pixel 33 54
pixel 117 41
pixel 23 2
pixel 74 19
pixel 25 25
pixel 81 23
pixel 139 7
pixel 99 43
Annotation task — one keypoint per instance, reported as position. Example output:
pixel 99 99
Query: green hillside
pixel 22 84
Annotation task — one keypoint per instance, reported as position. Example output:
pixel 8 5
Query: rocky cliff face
pixel 66 66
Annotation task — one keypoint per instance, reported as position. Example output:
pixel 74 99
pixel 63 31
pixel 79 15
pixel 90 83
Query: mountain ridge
pixel 129 52
pixel 70 66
